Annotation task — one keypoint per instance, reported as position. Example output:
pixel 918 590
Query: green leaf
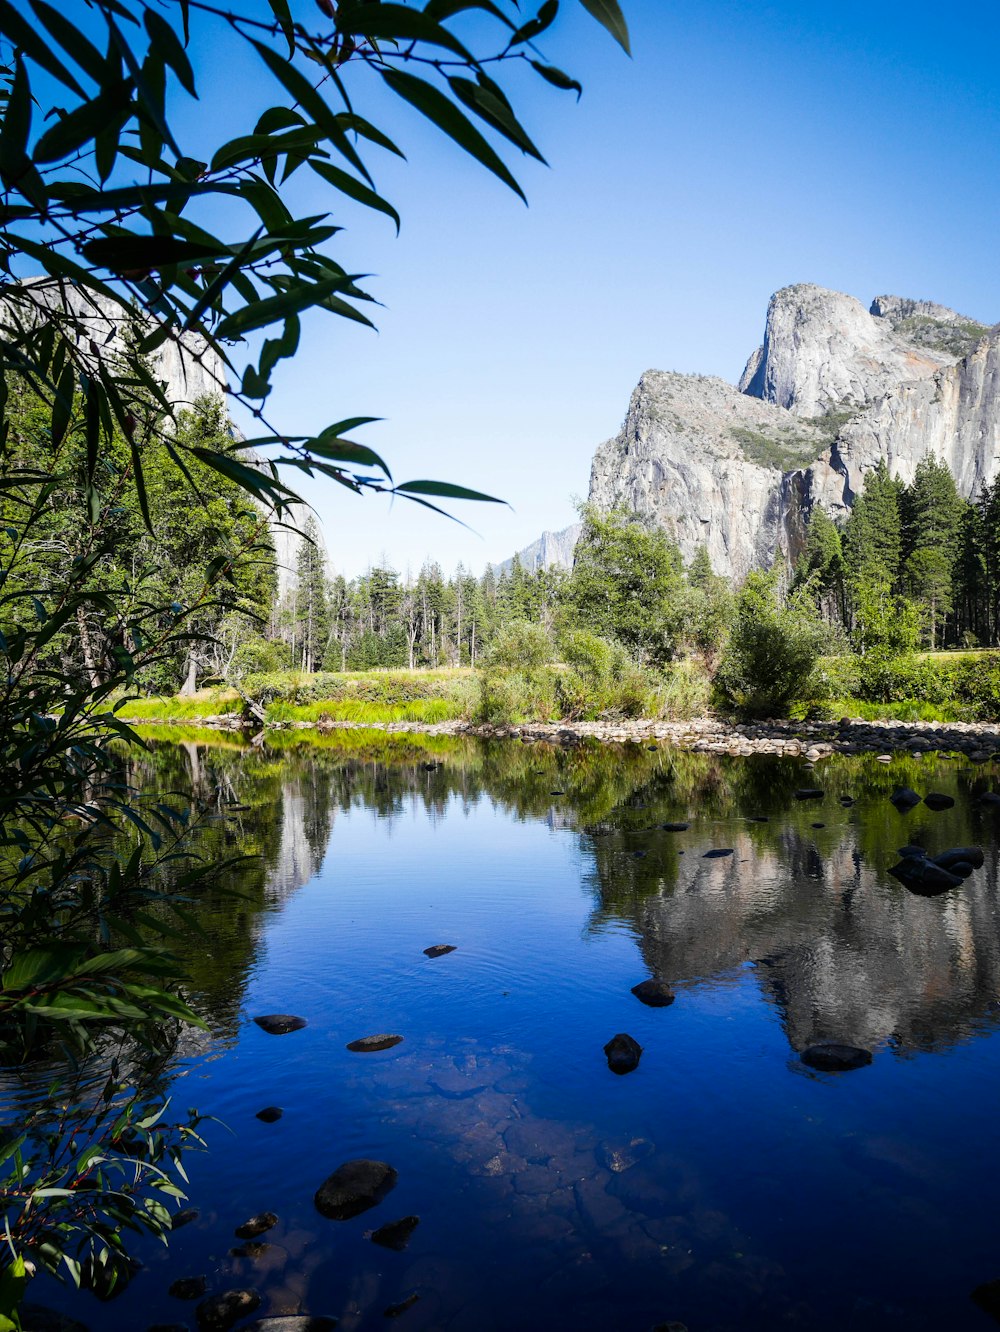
pixel 396 22
pixel 445 490
pixel 534 27
pixel 354 189
pixel 72 40
pixel 167 45
pixel 608 13
pixel 124 253
pixel 557 78
pixel 299 296
pixel 280 10
pixel 433 104
pixel 84 123
pixel 22 35
pixel 489 104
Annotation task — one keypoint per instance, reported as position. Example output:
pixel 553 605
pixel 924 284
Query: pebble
pixel 353 1188
pixel 270 1114
pixel 257 1225
pixel 623 1053
pixel 654 993
pixel 369 1044
pixel 396 1234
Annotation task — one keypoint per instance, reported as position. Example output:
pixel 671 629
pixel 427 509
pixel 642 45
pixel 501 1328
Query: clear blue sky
pixel 744 147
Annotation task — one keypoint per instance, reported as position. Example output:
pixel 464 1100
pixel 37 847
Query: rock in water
pixel 936 801
pixel 36 1318
pixel 809 793
pixel 675 827
pixel 270 1114
pixel 188 1288
pixel 904 798
pixel 396 1234
pixel 394 1310
pixel 184 1217
pixel 989 798
pixel 280 1024
pixel 987 1296
pixel 923 877
pixel 292 1323
pixel 829 1057
pixel 718 854
pixel 654 993
pixel 439 950
pixel 353 1188
pixel 911 850
pixel 972 855
pixel 623 1052
pixel 221 1312
pixel 369 1044
pixel 257 1225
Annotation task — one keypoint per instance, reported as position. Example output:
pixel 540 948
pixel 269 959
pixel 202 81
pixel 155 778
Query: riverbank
pixel 979 741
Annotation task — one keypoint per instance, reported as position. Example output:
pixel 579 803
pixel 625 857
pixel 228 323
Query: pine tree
pixel 932 518
pixel 311 601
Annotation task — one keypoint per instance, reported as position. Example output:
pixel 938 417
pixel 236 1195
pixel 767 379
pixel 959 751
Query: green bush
pixel 773 649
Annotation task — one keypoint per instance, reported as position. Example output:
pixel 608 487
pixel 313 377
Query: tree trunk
pixel 87 648
pixel 190 684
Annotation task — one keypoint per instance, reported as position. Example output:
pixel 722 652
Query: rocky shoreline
pixel 979 741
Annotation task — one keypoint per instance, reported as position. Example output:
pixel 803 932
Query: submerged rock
pixel 904 798
pixel 809 793
pixel 987 1297
pixel 257 1225
pixel 221 1312
pixel 353 1188
pixel 396 1234
pixel 623 1053
pixel 280 1024
pixel 394 1310
pixel 36 1318
pixel 292 1323
pixel 184 1217
pixel 439 950
pixel 369 1044
pixel 989 798
pixel 718 854
pixel 675 827
pixel 270 1114
pixel 188 1288
pixel 936 801
pixel 911 850
pixel 621 1157
pixel 654 993
pixel 829 1057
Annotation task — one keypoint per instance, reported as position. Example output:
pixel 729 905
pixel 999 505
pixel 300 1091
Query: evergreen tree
pixel 312 603
pixel 872 539
pixel 932 513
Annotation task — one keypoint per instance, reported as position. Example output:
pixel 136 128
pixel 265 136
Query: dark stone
pixel 252 1250
pixel 184 1217
pixel 396 1234
pixel 221 1312
pixel 758 818
pixel 911 850
pixel 292 1323
pixel 819 825
pixel 270 1114
pixel 655 993
pixel 987 1296
pixel 989 798
pixel 353 1188
pixel 718 854
pixel 936 801
pixel 280 1024
pixel 675 827
pixel 257 1225
pixel 619 1157
pixel 557 793
pixel 971 855
pixel 652 748
pixel 623 1053
pixel 904 798
pixel 439 950
pixel 36 1318
pixel 639 855
pixel 809 793
pixel 923 877
pixel 830 1057
pixel 369 1044
pixel 962 868
pixel 189 1288
pixel 847 801
pixel 394 1310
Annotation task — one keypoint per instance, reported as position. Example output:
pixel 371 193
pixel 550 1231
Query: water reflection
pixel 713 1185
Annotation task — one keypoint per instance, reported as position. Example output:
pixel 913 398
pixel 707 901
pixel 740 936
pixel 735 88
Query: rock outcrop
pixel 833 389
pixel 552 550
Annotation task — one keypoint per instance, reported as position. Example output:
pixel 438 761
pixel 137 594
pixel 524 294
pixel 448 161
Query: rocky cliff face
pixel 832 389
pixel 552 550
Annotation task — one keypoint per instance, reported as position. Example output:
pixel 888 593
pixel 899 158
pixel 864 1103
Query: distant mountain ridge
pixel 552 550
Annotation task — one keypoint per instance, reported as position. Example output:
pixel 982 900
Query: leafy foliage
pixel 773 648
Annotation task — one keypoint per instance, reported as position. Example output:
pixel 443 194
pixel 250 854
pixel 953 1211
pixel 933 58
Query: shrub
pixel 773 649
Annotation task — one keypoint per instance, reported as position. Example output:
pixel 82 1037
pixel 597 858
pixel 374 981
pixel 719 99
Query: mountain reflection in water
pixel 722 1184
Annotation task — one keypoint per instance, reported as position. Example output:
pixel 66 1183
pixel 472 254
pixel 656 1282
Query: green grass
pixel 205 703
pixel 911 709
pixel 363 712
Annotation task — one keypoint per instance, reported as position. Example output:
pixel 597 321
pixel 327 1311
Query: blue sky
pixel 744 147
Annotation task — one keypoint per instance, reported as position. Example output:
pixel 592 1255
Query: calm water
pixel 722 1184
